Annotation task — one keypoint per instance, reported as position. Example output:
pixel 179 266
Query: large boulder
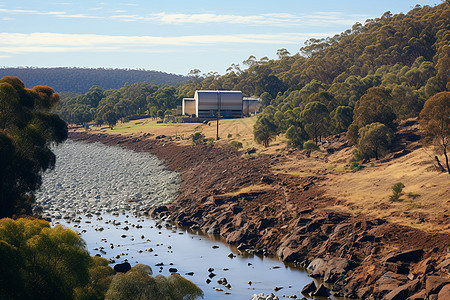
pixel 123 267
pixel 330 269
pixel 405 256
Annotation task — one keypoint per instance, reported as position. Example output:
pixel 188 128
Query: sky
pixel 173 36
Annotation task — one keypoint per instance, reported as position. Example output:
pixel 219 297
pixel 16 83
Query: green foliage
pixel 315 119
pixel 27 131
pixel 310 145
pixel 357 156
pixel 110 118
pixel 235 144
pixel 229 135
pixel 41 262
pixel 139 284
pixel 296 136
pixel 435 120
pixel 372 107
pixel 374 140
pixel 100 276
pixel 355 166
pixel 211 141
pixel 397 191
pixel 265 130
pixel 342 117
pixel 198 138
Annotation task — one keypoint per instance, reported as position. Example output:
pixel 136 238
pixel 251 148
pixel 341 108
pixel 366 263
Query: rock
pixel 422 295
pixel 405 256
pixel 173 270
pixel 330 270
pixel 277 288
pixel 222 281
pixel 123 267
pixel 444 294
pixel 389 282
pixel 434 284
pixel 322 291
pixel 210 270
pixel 403 291
pixel 309 288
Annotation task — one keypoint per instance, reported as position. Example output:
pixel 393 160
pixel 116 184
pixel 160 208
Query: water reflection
pixel 197 257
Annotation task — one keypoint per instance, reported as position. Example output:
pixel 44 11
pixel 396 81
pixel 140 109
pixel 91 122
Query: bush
pixel 355 166
pixel 374 140
pixel 397 191
pixel 198 138
pixel 235 144
pixel 139 284
pixel 357 156
pixel 310 145
pixel 229 136
pixel 40 261
pixel 211 141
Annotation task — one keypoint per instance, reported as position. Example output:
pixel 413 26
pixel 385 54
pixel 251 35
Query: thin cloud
pixel 165 18
pixel 60 14
pixel 57 42
pixel 274 19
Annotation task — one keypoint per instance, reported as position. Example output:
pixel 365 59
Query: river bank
pixel 261 211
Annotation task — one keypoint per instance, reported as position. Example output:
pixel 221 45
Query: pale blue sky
pixel 173 36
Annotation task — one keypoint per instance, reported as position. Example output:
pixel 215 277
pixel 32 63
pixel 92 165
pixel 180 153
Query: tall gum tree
pixel 435 120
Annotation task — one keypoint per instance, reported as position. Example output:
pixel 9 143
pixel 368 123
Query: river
pixel 99 192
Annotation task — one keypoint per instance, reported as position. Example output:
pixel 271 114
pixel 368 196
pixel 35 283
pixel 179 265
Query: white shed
pixel 188 107
pixel 208 103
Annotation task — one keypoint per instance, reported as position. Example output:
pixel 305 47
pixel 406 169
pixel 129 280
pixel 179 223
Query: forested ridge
pixel 381 72
pixel 79 80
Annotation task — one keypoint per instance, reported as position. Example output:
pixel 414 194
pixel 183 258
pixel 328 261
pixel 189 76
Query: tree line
pixel 79 80
pixel 108 106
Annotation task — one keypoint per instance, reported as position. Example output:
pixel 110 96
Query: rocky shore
pixel 241 199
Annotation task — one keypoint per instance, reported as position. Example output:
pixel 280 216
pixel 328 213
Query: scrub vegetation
pixel 43 262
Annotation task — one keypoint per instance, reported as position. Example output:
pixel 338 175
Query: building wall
pixel 188 106
pixel 250 106
pixel 207 102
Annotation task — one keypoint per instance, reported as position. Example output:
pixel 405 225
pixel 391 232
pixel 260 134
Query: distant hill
pixel 79 80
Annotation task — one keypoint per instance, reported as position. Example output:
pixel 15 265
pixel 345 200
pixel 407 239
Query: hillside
pixel 79 80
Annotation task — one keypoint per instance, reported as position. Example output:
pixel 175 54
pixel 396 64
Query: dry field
pixel 229 129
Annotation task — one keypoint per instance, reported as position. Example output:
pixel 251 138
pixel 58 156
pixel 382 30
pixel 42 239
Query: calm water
pixel 118 235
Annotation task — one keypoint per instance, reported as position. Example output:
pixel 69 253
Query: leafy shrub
pixel 310 145
pixel 374 140
pixel 211 141
pixel 139 284
pixel 235 144
pixel 229 135
pixel 355 166
pixel 397 191
pixel 37 260
pixel 198 138
pixel 357 156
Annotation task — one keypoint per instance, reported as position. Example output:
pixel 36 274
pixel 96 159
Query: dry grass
pixel 229 129
pixel 426 196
